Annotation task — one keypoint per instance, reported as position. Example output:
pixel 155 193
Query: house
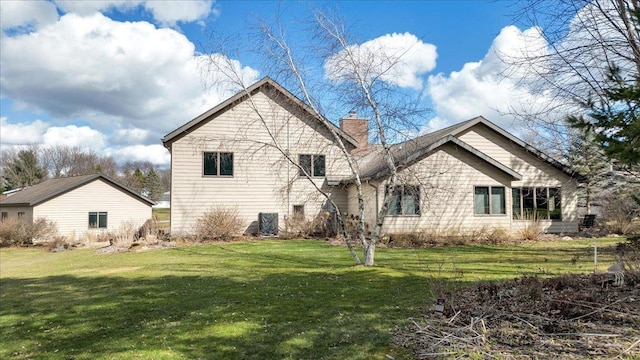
pixel 473 174
pixel 164 202
pixel 79 205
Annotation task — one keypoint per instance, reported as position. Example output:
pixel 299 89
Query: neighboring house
pixel 79 205
pixel 164 202
pixel 470 175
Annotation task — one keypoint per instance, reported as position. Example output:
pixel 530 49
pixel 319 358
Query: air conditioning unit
pixel 268 224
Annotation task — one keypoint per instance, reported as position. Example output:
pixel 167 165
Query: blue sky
pixel 115 76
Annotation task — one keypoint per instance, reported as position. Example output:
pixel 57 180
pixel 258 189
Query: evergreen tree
pixel 587 158
pixel 22 169
pixel 138 181
pixel 615 120
pixel 153 185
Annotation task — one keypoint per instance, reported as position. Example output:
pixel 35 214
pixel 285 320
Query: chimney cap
pixel 352 114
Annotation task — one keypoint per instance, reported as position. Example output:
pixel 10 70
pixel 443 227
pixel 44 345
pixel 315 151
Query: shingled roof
pixel 52 188
pixel 373 166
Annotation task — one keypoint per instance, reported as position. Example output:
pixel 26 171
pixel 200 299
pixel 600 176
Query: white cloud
pixel 164 12
pixel 22 133
pixel 94 68
pixel 401 58
pixel 129 136
pixel 156 154
pixel 489 87
pixel 27 15
pixel 72 135
pixel 172 12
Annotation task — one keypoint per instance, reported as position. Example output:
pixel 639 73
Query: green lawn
pixel 254 300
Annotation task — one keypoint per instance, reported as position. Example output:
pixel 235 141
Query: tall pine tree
pixel 587 158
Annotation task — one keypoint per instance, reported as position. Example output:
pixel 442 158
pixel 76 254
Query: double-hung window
pixel 405 200
pixel 314 165
pixel 489 200
pixel 537 203
pixel 97 220
pixel 217 164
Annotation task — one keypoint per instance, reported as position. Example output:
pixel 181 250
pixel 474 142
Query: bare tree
pixel 567 59
pixel 64 161
pixel 359 82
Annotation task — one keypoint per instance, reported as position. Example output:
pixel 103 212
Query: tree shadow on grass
pixel 296 315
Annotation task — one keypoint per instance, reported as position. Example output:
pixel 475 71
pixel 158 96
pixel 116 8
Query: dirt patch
pixel 567 317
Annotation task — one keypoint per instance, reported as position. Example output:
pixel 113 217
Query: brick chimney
pixel 358 129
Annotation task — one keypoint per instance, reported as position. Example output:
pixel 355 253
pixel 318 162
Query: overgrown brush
pixel 219 223
pixel 15 231
pixel 531 230
pixel 620 214
pixel 420 239
pixel 321 226
pixel 628 254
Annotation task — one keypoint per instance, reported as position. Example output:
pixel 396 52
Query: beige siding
pixel 534 171
pixel 263 180
pixel 14 211
pixel 447 179
pixel 71 210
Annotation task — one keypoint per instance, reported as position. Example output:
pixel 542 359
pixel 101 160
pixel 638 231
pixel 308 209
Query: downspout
pixel 377 194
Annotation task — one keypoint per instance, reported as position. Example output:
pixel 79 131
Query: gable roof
pixel 265 82
pixel 408 152
pixel 52 188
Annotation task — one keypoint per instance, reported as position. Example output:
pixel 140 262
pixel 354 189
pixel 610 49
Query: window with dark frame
pixel 5 215
pixel 405 200
pixel 489 200
pixel 217 163
pixel 20 214
pixel 97 220
pixel 537 203
pixel 314 165
pixel 298 212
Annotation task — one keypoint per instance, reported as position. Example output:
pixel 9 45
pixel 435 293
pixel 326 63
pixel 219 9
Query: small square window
pixel 314 165
pixel 97 220
pixel 217 164
pixel 298 212
pixel 490 200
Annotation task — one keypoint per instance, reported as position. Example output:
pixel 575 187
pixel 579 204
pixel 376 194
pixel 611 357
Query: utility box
pixel 268 224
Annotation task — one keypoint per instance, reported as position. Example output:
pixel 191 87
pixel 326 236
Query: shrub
pixel 58 243
pixel 531 230
pixel 628 254
pixel 321 226
pixel 15 231
pixel 620 213
pixel 219 223
pixel 498 235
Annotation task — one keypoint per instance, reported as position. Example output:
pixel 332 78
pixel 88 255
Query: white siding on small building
pixel 70 211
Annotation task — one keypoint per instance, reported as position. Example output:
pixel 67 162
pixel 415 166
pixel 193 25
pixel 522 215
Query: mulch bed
pixel 593 316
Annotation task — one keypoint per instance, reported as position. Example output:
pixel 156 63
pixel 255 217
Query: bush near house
pixel 17 232
pixel 219 223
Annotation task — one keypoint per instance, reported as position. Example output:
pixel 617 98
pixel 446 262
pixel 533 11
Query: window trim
pixel 400 202
pixel 490 207
pixel 534 192
pixel 98 216
pixel 297 213
pixel 218 163
pixel 311 171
